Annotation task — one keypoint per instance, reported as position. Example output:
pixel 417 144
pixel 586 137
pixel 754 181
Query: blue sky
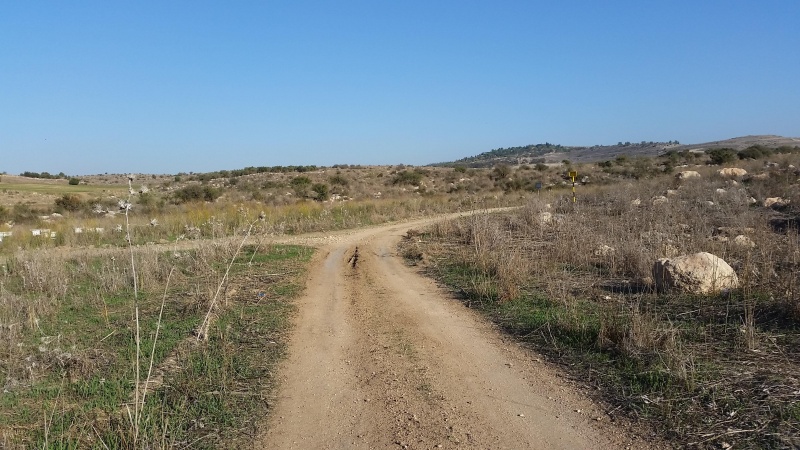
pixel 167 87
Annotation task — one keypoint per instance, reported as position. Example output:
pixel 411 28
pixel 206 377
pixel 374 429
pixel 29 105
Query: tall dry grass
pixel 577 278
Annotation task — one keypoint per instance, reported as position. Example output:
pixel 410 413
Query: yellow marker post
pixel 573 174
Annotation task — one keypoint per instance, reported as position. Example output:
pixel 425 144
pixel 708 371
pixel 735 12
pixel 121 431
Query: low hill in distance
pixel 552 153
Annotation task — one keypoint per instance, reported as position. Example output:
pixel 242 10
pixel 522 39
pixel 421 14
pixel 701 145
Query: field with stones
pixel 152 311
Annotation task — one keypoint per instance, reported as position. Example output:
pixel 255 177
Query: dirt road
pixel 383 358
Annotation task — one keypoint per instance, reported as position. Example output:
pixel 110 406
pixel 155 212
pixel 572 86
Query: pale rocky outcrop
pixel 544 217
pixel 660 200
pixel 687 174
pixel 604 250
pixel 775 201
pixel 744 241
pixel 700 273
pixel 732 172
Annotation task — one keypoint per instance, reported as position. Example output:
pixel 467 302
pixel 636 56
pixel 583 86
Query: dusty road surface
pixel 383 358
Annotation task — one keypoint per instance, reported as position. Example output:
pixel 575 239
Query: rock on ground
pixel 687 174
pixel 732 172
pixel 700 273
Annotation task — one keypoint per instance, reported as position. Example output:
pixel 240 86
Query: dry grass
pixel 575 279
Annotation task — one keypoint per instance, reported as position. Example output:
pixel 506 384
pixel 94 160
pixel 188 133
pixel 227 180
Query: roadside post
pixel 538 187
pixel 573 174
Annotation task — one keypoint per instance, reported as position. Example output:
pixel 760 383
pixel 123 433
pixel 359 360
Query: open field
pixel 70 356
pixel 576 282
pixel 161 317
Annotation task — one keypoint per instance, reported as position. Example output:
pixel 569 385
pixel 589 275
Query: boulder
pixel 687 174
pixel 700 273
pixel 776 202
pixel 732 172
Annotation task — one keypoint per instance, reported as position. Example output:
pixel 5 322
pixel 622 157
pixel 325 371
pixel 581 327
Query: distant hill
pixel 552 153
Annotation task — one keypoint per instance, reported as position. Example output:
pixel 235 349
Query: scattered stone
pixel 687 174
pixel 544 217
pixel 700 273
pixel 636 202
pixel 732 172
pixel 775 202
pixel 721 191
pixel 744 241
pixel 604 250
pixel 660 200
pixel 672 192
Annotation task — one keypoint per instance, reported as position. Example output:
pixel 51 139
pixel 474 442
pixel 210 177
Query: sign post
pixel 573 174
pixel 538 187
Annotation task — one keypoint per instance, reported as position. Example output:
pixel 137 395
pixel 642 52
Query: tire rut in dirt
pixel 392 374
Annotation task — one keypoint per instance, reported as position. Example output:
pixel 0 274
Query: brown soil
pixel 381 357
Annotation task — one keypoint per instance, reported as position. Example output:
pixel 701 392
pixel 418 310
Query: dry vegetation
pixel 575 280
pixel 711 369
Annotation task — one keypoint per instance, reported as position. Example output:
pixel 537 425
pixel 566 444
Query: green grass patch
pixel 80 359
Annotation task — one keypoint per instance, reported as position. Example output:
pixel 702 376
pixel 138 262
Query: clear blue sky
pixel 169 86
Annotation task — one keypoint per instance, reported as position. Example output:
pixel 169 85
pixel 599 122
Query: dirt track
pixel 383 358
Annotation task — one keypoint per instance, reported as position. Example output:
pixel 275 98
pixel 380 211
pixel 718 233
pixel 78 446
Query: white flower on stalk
pixel 144 189
pixel 125 205
pixel 153 222
pixel 131 177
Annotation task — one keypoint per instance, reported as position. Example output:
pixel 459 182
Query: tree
pixel 74 181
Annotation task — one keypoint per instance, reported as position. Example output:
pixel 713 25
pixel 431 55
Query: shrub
pixel 74 181
pixel 321 191
pixel 197 192
pixel 338 179
pixel 412 178
pixel 755 152
pixel 69 202
pixel 501 171
pixel 301 185
pixel 721 156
